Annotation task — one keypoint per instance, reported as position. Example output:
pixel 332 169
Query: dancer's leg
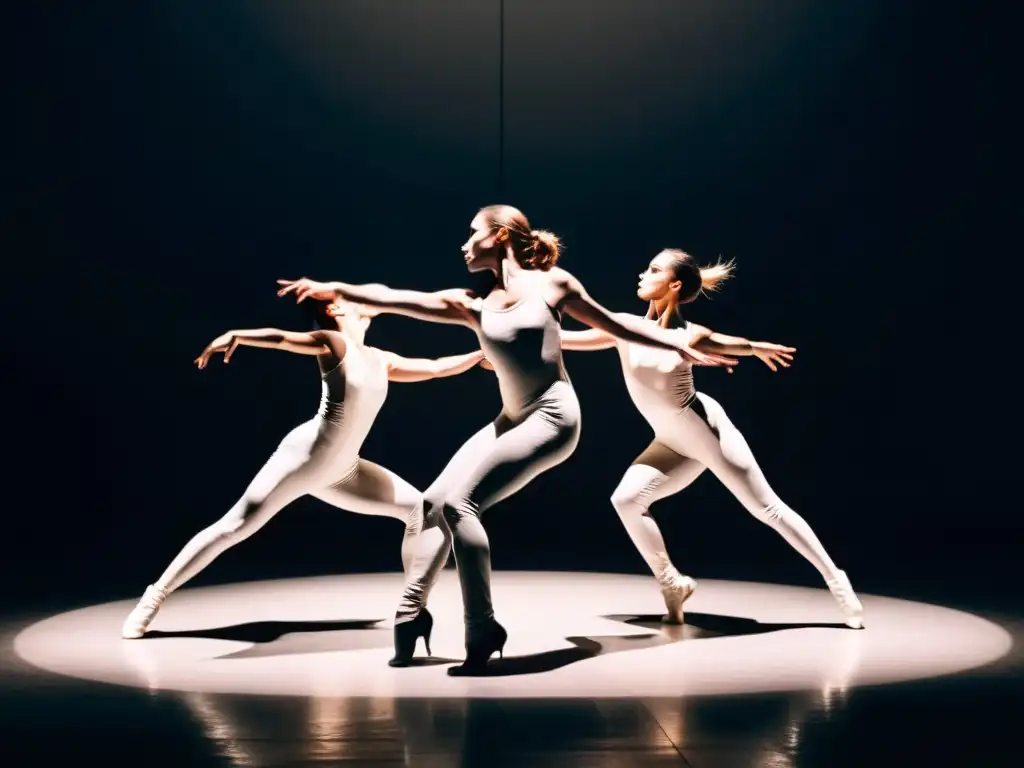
pixel 518 455
pixel 375 490
pixel 428 560
pixel 656 473
pixel 713 440
pixel 292 471
pixel 288 474
pixel 716 442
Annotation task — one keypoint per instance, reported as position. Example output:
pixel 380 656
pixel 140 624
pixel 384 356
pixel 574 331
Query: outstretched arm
pixel 770 354
pixel 449 306
pixel 313 343
pixel 409 369
pixel 579 305
pixel 587 341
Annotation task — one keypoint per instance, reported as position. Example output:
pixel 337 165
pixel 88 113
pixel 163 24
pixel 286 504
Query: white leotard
pixel 660 381
pixel 352 394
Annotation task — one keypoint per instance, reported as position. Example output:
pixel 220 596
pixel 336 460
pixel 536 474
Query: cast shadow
pixel 266 631
pixel 721 625
pixel 548 661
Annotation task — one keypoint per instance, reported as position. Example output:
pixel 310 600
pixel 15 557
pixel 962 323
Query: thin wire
pixel 501 99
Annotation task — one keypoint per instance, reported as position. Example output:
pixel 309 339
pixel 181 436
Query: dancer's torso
pixel 352 394
pixel 524 344
pixel 660 381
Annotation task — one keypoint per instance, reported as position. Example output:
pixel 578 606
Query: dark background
pixel 170 161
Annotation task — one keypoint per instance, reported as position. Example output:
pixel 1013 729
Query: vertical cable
pixel 501 99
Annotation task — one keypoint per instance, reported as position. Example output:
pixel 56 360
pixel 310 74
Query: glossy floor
pixel 722 713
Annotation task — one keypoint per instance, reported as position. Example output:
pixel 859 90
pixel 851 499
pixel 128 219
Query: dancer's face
pixel 481 250
pixel 658 281
pixel 351 318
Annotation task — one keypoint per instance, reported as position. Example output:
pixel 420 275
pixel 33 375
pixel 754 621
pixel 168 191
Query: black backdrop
pixel 171 161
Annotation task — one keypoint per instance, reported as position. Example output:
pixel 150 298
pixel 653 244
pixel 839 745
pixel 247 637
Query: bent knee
pixel 632 498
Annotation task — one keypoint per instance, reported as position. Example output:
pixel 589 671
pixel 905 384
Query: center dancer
pixel 321 456
pixel 693 433
pixel 518 325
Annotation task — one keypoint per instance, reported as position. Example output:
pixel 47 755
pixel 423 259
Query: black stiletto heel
pixel 406 635
pixel 480 646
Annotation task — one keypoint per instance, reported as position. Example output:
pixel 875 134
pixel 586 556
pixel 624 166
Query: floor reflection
pixel 744 732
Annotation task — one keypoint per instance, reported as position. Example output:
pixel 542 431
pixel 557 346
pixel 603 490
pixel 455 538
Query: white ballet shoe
pixel 849 603
pixel 676 593
pixel 142 615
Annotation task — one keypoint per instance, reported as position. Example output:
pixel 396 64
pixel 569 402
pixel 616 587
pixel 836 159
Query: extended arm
pixel 579 305
pixel 587 341
pixel 312 343
pixel 409 369
pixel 770 354
pixel 449 306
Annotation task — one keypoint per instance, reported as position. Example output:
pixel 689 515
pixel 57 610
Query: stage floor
pixel 294 671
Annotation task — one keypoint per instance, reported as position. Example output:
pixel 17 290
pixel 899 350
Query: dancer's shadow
pixel 584 648
pixel 721 625
pixel 290 638
pixel 697 626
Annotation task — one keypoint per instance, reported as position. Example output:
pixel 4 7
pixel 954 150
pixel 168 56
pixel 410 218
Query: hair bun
pixel 546 248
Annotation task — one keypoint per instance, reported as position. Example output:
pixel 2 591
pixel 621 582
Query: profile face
pixel 658 280
pixel 479 250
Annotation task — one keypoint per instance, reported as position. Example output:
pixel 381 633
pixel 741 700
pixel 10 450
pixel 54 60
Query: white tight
pixel 492 465
pixel 311 460
pixel 702 437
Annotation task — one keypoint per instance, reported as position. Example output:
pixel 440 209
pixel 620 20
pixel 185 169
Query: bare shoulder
pixel 384 356
pixel 564 284
pixel 562 278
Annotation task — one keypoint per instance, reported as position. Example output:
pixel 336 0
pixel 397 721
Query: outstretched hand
pixel 773 354
pixel 702 358
pixel 486 364
pixel 304 288
pixel 226 343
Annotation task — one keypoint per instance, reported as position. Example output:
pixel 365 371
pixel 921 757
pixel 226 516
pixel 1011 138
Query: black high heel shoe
pixel 480 646
pixel 406 635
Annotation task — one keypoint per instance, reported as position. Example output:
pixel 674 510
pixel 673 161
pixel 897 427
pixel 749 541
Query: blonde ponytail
pixel 712 277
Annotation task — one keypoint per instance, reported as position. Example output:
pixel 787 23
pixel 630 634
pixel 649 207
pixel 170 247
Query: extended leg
pixel 288 474
pixel 726 453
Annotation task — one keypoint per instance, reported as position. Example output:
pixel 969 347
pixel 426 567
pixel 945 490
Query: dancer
pixel 320 457
pixel 692 432
pixel 518 325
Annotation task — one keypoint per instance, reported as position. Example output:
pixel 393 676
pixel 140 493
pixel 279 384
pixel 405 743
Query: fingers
pixel 230 350
pixel 289 287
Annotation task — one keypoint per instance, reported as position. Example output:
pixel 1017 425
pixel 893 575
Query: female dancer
pixel 321 456
pixel 518 324
pixel 692 432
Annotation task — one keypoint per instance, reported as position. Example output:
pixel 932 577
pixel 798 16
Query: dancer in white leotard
pixel 320 457
pixel 538 427
pixel 692 432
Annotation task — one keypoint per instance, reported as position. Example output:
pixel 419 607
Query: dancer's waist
pixel 557 396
